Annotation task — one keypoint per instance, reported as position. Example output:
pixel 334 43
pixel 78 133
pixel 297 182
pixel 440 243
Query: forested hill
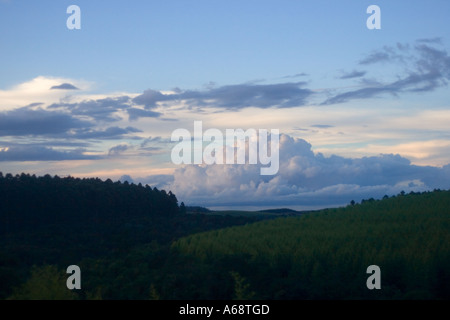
pixel 325 255
pixel 136 242
pixel 31 200
pixel 61 221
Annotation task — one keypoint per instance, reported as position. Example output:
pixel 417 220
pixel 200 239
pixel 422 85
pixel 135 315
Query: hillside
pixel 325 255
pixel 63 221
pixel 270 213
pixel 136 242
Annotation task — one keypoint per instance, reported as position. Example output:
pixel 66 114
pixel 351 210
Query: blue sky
pixel 350 102
pixel 135 45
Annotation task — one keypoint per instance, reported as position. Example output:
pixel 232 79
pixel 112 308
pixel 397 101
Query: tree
pixel 182 208
pixel 154 295
pixel 241 288
pixel 45 283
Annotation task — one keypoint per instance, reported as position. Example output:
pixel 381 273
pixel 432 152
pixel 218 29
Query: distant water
pixel 260 208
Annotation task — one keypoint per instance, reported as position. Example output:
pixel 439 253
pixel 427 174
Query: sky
pixel 362 113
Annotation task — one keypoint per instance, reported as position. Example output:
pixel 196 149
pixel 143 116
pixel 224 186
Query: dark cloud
pixel 64 86
pixel 357 94
pixel 428 69
pixel 150 97
pixel 40 153
pixel 302 74
pixel 387 54
pixel 153 140
pixel 118 149
pixel 135 114
pixel 261 96
pixel 109 133
pixel 26 122
pixel 353 74
pixel 425 69
pixel 322 126
pixel 234 97
pixel 99 110
pixel 434 62
pixel 59 128
pixel 102 109
pixel 154 145
pixel 45 142
pixel 376 57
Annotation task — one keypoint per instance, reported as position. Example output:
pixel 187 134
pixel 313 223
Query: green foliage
pixel 154 295
pixel 118 233
pixel 134 242
pixel 241 288
pixel 95 295
pixel 45 283
pixel 324 255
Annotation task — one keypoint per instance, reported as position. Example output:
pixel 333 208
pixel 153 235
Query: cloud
pixel 297 75
pixel 353 74
pixel 107 109
pixel 436 151
pixel 28 122
pixel 358 94
pixel 159 181
pixel 233 97
pixel 387 54
pixel 152 141
pixel 114 151
pixel 108 133
pixel 376 57
pixel 64 86
pixel 135 114
pixel 426 68
pixel 150 98
pixel 155 145
pixel 436 40
pixel 322 126
pixel 100 109
pixel 64 143
pixel 126 178
pixel 40 153
pixel 37 90
pixel 305 178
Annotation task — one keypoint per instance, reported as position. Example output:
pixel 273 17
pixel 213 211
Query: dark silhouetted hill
pixel 54 220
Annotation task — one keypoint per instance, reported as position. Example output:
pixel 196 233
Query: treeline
pixel 325 255
pixel 321 255
pixel 158 251
pixel 63 221
pixel 27 199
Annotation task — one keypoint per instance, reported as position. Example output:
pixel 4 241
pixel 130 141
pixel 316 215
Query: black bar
pixel 224 309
